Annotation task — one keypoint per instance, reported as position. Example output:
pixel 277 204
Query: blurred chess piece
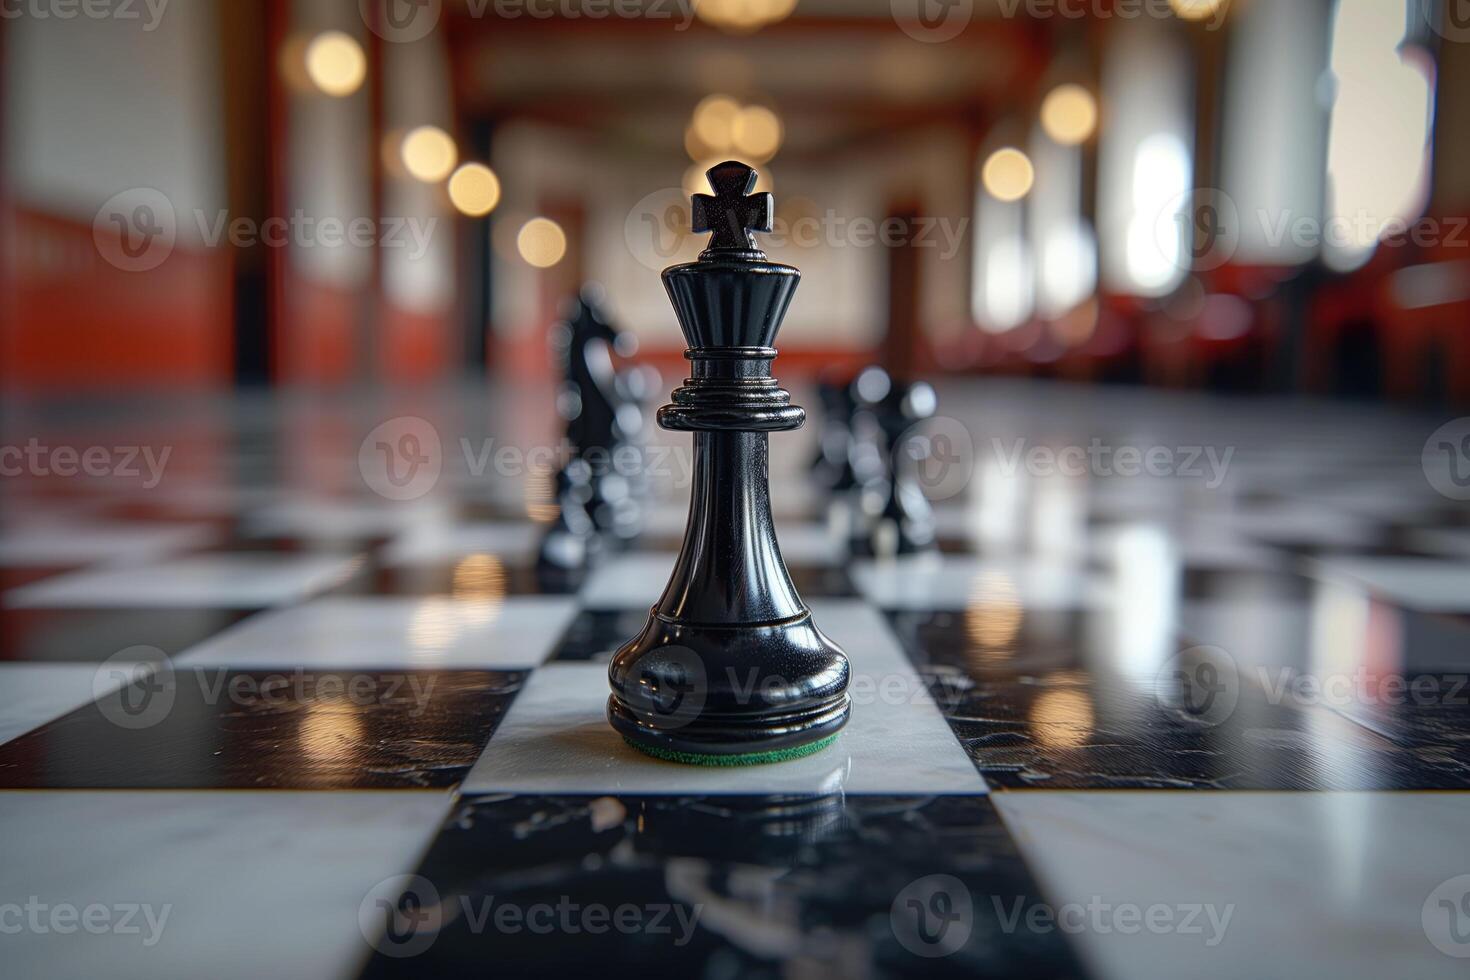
pixel 832 465
pixel 596 487
pixel 636 386
pixel 571 541
pixel 892 516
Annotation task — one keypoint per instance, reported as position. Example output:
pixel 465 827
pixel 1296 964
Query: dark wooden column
pixel 899 352
pixel 250 82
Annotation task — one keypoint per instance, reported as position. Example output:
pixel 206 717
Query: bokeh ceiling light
pixel 743 16
pixel 335 63
pixel 1196 9
pixel 1069 114
pixel 714 122
pixel 474 189
pixel 693 145
pixel 1008 174
pixel 771 11
pixel 541 242
pixel 695 181
pixel 429 154
pixel 757 133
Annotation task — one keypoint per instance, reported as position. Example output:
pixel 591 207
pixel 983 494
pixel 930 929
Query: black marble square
pixel 1087 732
pixel 1434 642
pixel 448 579
pixel 821 581
pixel 1050 700
pixel 594 634
pixel 93 635
pixel 215 728
pixel 999 639
pixel 1425 714
pixel 718 886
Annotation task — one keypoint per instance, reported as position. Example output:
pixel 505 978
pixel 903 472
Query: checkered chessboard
pixel 257 718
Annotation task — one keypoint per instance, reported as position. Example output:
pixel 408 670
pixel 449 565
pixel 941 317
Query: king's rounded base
pixel 740 690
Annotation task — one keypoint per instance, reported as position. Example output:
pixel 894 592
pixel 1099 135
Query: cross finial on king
pixel 733 212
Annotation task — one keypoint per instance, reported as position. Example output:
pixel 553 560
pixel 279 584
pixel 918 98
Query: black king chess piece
pixel 730 669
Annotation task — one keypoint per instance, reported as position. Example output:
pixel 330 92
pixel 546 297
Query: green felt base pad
pixel 743 759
